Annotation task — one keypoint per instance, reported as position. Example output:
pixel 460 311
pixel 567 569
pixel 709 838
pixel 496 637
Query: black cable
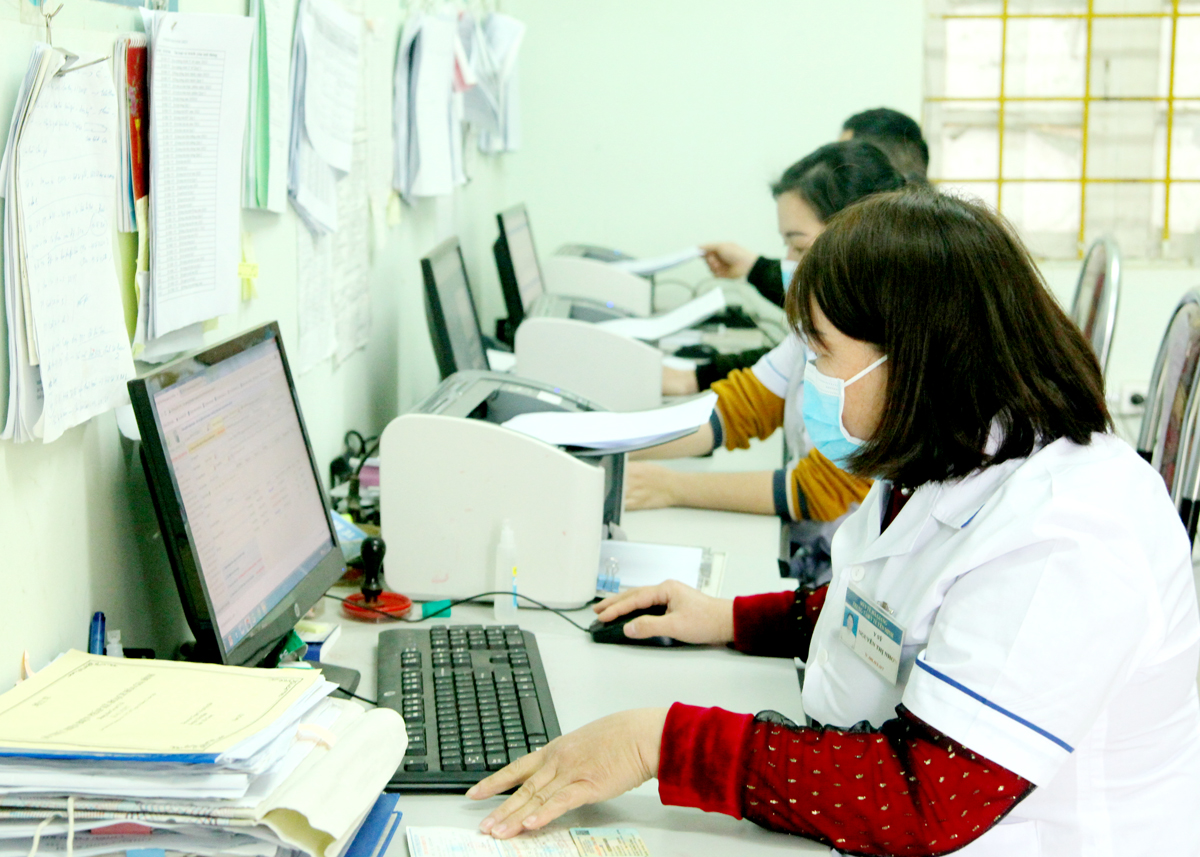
pixel 356 696
pixel 360 605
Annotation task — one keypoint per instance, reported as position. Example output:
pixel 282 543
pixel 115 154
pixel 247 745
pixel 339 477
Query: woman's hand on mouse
pixel 691 616
pixel 728 260
pixel 606 758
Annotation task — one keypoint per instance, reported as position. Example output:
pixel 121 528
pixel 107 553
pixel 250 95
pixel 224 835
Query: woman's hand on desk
pixel 691 616
pixel 649 486
pixel 679 382
pixel 728 260
pixel 604 759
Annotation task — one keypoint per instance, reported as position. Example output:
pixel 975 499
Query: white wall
pixel 648 126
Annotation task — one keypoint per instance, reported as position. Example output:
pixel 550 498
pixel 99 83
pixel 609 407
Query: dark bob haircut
pixel 898 135
pixel 838 174
pixel 973 338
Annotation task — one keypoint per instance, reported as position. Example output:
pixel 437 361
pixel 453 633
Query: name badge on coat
pixel 871 635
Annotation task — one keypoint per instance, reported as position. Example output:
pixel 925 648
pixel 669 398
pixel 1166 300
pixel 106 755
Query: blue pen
pixel 96 634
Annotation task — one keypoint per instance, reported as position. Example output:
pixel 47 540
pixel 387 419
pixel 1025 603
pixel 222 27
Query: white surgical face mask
pixel 824 404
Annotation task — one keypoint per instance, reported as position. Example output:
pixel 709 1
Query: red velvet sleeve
pixel 777 624
pixel 904 789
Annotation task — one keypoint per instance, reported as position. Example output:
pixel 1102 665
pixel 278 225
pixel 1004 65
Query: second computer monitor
pixel 517 263
pixel 450 311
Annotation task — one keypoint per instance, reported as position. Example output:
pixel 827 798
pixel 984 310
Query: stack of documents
pixel 605 431
pixel 198 98
pixel 99 755
pixel 325 74
pixel 68 352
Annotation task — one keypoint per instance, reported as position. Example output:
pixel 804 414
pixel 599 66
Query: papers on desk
pixel 604 430
pixel 325 77
pixel 198 98
pixel 680 318
pixel 654 264
pixel 576 842
pixel 68 352
pixel 203 758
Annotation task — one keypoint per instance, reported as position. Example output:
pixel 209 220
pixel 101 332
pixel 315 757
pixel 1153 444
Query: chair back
pixel 1172 409
pixel 1097 293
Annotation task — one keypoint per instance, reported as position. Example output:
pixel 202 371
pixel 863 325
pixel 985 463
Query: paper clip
pixel 48 17
pixel 73 64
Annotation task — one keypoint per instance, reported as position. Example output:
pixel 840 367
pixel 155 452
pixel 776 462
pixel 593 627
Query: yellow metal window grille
pixel 1075 118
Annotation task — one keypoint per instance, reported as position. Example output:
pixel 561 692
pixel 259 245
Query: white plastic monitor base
pixel 586 278
pixel 617 372
pixel 447 487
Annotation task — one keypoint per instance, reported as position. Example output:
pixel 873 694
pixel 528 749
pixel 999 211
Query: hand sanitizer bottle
pixel 505 578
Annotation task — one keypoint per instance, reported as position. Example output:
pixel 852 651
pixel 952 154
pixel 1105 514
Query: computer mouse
pixel 614 631
pixel 699 351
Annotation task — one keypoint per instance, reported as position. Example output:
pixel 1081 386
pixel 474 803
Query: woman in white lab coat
pixel 1006 657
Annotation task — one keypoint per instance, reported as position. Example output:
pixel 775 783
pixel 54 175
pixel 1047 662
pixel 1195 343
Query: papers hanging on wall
pixel 198 100
pixel 452 70
pixel 325 77
pixel 332 274
pixel 492 105
pixel 270 115
pixel 133 176
pixel 68 350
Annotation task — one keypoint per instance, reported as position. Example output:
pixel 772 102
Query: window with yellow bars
pixel 1076 118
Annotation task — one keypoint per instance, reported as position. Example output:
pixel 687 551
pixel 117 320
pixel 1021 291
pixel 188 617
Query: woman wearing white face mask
pixel 1005 661
pixel 809 493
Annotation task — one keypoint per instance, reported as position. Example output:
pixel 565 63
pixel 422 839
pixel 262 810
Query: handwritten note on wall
pixel 66 176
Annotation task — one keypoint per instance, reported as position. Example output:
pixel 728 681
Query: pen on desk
pixel 96 634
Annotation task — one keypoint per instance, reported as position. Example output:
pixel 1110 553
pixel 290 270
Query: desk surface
pixel 589 681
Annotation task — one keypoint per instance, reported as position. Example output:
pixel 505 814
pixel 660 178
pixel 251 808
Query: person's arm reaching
pixel 903 789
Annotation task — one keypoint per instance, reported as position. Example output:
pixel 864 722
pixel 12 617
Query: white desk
pixel 588 680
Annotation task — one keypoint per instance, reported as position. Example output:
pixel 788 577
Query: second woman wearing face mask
pixel 811 492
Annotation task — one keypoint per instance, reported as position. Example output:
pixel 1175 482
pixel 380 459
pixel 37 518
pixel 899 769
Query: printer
pixel 451 478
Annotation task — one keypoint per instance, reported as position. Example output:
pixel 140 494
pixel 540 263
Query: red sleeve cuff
pixel 764 624
pixel 702 760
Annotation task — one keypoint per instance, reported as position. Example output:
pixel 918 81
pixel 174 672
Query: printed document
pixel 680 318
pixel 199 85
pixel 608 430
pixel 66 173
pixel 87 704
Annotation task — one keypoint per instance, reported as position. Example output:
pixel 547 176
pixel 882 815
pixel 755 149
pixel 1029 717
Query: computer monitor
pixel 236 489
pixel 517 263
pixel 450 311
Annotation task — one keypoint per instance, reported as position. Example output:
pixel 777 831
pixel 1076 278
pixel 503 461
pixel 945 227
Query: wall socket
pixel 1131 398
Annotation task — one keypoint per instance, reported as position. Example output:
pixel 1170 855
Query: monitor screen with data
pixel 450 311
pixel 237 493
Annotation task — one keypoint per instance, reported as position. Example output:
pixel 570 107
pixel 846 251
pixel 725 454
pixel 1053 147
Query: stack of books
pixel 101 755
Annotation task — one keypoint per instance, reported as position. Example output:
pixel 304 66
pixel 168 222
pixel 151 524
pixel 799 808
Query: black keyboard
pixel 473 698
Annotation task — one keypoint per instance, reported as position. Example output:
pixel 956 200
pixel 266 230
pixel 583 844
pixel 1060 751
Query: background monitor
pixel 517 264
pixel 450 311
pixel 237 493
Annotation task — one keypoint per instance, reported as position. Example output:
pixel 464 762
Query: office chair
pixel 1094 307
pixel 1167 437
